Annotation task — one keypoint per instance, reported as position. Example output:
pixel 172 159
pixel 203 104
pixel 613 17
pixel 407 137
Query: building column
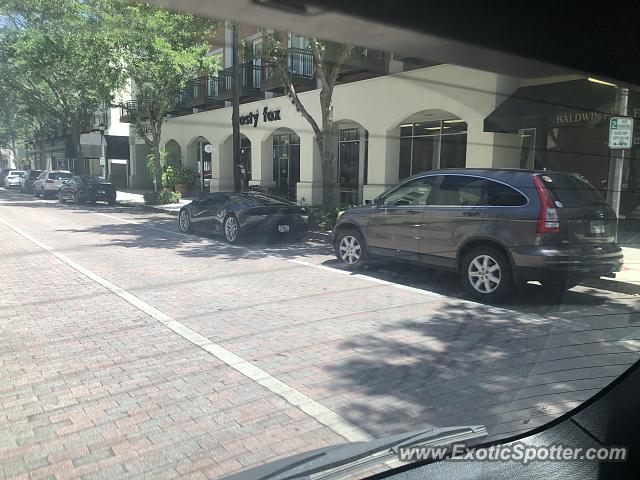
pixel 222 167
pixel 262 163
pixel 309 188
pixel 384 152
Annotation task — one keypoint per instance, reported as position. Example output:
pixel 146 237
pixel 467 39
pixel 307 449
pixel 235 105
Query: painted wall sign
pixel 254 117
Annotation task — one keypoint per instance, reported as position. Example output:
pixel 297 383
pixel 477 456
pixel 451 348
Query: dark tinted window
pixel 458 190
pixel 59 175
pixel 415 192
pixel 501 195
pixel 260 200
pixel 34 173
pixel 571 190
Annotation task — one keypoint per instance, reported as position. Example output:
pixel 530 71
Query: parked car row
pixel 61 184
pixel 496 228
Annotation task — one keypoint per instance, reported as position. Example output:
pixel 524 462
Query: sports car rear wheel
pixel 231 229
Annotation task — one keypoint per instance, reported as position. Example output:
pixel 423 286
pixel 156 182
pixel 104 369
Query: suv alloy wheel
pixel 486 274
pixel 350 248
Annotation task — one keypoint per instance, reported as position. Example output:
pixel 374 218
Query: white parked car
pixel 13 178
pixel 49 181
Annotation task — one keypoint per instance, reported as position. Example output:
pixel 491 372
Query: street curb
pixel 612 285
pixel 149 208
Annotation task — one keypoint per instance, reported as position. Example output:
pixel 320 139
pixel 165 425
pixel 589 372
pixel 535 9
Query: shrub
pixel 161 198
pixel 323 218
pixel 173 175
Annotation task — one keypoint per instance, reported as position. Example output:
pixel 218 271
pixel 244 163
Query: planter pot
pixel 183 188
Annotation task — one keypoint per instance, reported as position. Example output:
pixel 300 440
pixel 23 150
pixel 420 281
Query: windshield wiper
pixel 339 460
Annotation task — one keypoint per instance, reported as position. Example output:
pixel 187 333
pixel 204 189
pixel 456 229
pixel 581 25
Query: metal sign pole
pixel 614 185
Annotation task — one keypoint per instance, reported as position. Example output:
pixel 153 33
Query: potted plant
pixel 182 179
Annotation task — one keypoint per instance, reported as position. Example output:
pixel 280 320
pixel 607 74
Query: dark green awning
pixel 539 105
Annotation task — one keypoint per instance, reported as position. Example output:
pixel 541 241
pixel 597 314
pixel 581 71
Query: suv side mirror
pixel 378 201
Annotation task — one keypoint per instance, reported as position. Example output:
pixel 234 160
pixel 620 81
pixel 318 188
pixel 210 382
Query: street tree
pixel 329 59
pixel 162 50
pixel 60 57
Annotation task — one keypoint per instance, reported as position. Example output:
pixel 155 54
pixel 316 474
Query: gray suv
pixel 496 228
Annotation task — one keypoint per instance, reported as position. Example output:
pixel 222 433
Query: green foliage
pixel 161 50
pixel 173 175
pixel 161 198
pixel 151 164
pixel 323 218
pixel 183 175
pixel 59 60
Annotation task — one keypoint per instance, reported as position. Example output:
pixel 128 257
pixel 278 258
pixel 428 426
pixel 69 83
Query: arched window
pixel 431 145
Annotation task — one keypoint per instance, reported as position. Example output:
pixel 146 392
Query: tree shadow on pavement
pixel 466 364
pixel 529 298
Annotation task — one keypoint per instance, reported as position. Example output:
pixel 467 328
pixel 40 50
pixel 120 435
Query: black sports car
pixel 246 215
pixel 87 188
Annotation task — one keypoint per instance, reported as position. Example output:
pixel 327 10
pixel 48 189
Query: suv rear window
pixel 571 190
pixel 59 175
pixel 501 195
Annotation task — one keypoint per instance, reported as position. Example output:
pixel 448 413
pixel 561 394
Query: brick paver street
pixel 129 350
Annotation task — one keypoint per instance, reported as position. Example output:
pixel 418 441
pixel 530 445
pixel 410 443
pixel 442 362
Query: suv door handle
pixel 471 213
pixel 413 212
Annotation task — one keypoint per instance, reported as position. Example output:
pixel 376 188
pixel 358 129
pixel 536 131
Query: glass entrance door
pixel 349 165
pixel 286 164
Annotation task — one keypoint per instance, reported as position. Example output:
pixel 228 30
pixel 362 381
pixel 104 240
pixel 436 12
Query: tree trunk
pixel 328 149
pixel 157 164
pixel 43 153
pixel 76 133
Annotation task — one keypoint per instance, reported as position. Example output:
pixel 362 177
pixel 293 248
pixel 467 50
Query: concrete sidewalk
pixel 134 198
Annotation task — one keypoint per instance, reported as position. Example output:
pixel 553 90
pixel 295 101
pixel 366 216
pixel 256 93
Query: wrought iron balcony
pixel 250 81
pixel 201 92
pixel 180 101
pixel 301 68
pixel 364 60
pixel 129 109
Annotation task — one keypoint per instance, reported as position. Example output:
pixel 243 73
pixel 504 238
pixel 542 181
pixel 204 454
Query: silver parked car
pixel 496 228
pixel 49 181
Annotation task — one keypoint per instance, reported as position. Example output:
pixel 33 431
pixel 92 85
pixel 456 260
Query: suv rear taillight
pixel 548 219
pixel 48 180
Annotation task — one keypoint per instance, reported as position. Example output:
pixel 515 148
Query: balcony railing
pixel 301 69
pixel 201 92
pixel 129 109
pixel 180 101
pixel 364 60
pixel 250 80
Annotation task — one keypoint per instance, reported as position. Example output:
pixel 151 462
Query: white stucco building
pixel 393 117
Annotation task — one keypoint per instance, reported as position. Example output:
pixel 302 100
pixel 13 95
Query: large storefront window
pixel 349 164
pixel 286 164
pixel 431 145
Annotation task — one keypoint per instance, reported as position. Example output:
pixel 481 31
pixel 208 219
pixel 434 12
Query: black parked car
pixel 496 228
pixel 246 215
pixel 86 188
